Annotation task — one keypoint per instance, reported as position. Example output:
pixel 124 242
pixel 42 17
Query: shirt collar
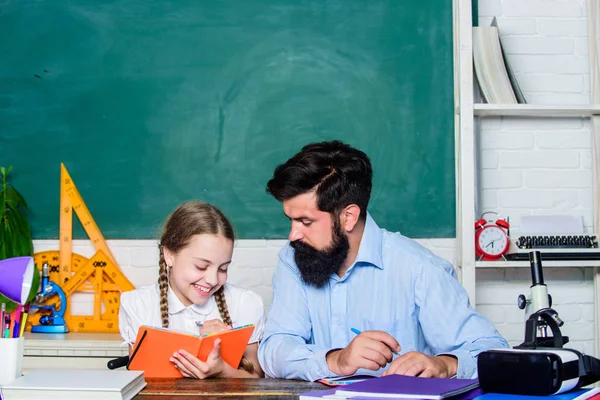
pixel 369 250
pixel 176 306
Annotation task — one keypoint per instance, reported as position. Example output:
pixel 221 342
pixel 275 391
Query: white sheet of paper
pixel 551 224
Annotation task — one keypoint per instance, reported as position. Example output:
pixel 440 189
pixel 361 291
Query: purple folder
pixel 410 387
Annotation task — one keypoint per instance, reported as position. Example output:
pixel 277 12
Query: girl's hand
pixel 191 367
pixel 213 325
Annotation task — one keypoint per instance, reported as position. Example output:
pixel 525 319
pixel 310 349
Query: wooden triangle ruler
pixel 99 275
pixel 70 199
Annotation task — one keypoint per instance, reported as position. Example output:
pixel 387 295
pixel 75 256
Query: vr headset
pixel 537 372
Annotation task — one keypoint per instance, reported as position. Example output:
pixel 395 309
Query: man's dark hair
pixel 341 175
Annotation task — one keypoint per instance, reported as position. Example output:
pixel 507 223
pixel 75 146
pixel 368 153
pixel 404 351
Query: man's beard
pixel 316 266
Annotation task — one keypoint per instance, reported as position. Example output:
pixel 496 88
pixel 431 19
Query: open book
pixel 155 346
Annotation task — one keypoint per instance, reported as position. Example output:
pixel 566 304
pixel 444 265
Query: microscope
pixel 539 366
pixel 542 317
pixel 53 322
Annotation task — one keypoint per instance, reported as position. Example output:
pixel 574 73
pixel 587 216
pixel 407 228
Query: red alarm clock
pixel 491 237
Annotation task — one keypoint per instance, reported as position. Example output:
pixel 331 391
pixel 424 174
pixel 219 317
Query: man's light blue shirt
pixel 395 285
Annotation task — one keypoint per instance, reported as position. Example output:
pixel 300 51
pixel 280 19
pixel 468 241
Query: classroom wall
pixel 527 167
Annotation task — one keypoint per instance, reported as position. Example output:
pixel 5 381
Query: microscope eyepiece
pixel 537 275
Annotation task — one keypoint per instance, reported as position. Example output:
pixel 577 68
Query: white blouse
pixel 142 307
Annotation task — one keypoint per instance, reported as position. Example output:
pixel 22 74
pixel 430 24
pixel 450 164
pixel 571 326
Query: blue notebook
pixel 562 396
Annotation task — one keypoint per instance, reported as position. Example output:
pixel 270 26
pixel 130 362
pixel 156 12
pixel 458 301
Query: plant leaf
pixel 22 246
pixel 7 231
pixel 13 236
pixel 15 230
pixel 7 249
pixel 21 241
pixel 21 200
pixel 26 245
pixel 22 222
pixel 2 208
pixel 12 200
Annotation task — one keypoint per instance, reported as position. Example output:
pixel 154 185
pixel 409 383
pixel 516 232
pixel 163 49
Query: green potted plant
pixel 15 232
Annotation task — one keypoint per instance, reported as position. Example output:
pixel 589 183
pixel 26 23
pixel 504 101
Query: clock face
pixel 492 241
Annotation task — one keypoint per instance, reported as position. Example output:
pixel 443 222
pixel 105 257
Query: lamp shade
pixel 16 278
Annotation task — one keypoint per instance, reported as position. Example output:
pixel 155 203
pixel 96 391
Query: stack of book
pixel 75 384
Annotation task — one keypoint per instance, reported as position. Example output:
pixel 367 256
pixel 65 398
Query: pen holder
pixel 11 359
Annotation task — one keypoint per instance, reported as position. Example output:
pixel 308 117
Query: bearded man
pixel 341 271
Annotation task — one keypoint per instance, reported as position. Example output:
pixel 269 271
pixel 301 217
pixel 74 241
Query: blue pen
pixel 358 333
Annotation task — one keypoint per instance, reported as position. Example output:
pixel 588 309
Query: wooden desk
pixel 225 389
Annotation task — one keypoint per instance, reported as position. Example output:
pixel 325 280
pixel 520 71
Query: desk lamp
pixel 18 279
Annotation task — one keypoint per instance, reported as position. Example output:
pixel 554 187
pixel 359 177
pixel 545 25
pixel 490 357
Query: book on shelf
pixel 64 384
pixel 511 75
pixel 497 84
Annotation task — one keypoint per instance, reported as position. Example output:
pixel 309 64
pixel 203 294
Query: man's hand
pixel 424 366
pixel 369 350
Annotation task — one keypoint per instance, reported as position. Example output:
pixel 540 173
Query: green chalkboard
pixel 153 102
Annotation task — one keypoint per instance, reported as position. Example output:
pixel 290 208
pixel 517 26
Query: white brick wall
pixel 539 166
pixel 497 289
pixel 252 266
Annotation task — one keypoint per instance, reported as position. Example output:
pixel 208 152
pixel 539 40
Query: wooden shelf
pixel 546 264
pixel 536 110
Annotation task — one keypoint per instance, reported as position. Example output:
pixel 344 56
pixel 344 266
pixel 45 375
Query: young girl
pixel 191 294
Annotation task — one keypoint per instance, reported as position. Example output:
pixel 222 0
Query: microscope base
pixel 542 342
pixel 49 329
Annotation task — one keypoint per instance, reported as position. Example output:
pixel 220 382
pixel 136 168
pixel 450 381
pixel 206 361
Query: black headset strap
pixel 589 370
